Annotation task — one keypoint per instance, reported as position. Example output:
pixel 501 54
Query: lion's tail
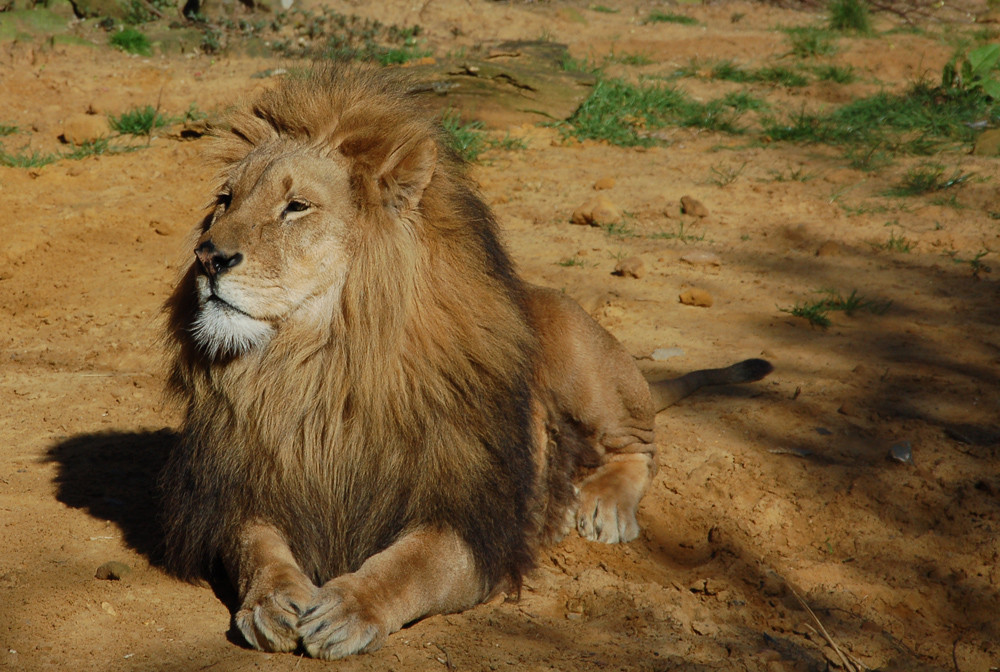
pixel 668 392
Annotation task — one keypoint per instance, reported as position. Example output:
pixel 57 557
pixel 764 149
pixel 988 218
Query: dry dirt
pixel 769 497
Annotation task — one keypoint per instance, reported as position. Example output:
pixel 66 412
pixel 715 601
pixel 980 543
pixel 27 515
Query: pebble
pixel 604 183
pixel 701 258
pixel 692 206
pixel 696 297
pixel 598 211
pixel 849 409
pixel 79 128
pixel 902 452
pixel 988 143
pixel 632 267
pixel 663 354
pixel 112 571
pixel 106 606
pixel 830 248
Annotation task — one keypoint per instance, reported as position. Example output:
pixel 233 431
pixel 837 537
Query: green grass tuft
pixel 137 121
pixel 33 160
pixel 849 16
pixel 131 41
pixel 835 73
pixel 667 17
pixel 810 42
pixel 467 140
pixel 817 312
pixel 928 178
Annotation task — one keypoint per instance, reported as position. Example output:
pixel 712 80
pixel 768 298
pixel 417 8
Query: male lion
pixel 382 420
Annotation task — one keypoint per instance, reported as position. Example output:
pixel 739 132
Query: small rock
pixel 79 128
pixel 701 258
pixel 991 15
pixel 705 628
pixel 604 183
pixel 633 267
pixel 849 409
pixel 663 354
pixel 692 206
pixel 106 606
pixel 112 571
pixel 598 211
pixel 988 143
pixel 830 248
pixel 696 297
pixel 902 452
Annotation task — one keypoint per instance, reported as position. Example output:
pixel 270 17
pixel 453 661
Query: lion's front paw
pixel 271 622
pixel 606 514
pixel 339 623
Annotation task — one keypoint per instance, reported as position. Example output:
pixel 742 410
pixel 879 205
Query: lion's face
pixel 275 249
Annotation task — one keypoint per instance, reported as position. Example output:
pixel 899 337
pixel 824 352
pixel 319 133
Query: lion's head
pixel 294 207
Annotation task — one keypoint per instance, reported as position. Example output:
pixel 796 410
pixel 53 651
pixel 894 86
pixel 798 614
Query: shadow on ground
pixel 113 476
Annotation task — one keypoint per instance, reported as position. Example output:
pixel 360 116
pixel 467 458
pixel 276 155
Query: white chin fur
pixel 220 330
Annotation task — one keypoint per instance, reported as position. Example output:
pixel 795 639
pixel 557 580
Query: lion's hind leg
pixel 609 497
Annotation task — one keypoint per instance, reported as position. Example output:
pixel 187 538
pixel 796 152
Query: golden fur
pixel 382 420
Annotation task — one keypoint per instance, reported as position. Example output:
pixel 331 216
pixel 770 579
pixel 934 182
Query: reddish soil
pixel 770 497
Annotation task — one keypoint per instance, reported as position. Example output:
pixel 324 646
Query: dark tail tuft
pixel 750 370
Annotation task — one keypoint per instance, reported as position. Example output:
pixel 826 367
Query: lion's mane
pixel 409 405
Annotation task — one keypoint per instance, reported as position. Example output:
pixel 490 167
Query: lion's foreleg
pixel 273 590
pixel 425 572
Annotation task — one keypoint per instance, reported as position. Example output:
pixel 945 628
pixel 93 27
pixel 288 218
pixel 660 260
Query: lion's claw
pixel 604 519
pixel 338 624
pixel 269 626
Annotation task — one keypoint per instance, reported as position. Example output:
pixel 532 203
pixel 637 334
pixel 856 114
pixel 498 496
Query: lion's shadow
pixel 113 476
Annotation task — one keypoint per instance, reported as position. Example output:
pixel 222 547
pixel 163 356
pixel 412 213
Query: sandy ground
pixel 769 497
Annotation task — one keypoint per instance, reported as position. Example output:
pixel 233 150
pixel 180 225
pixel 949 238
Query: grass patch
pixel 837 74
pixel 6 130
pixel 20 160
pixel 667 17
pixel 137 121
pixel 817 312
pixel 467 140
pixel 507 143
pixel 603 9
pixel 975 263
pixel 678 234
pixel 628 59
pixel 899 244
pixel 808 42
pixel 798 175
pixel 928 178
pixel 618 230
pixel 849 16
pixel 624 114
pixel 723 177
pixel 730 72
pixel 919 121
pixel 131 41
pixel 89 148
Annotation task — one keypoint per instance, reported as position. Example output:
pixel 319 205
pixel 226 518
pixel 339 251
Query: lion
pixel 382 420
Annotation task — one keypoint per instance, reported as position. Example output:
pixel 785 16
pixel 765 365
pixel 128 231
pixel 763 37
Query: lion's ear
pixel 406 172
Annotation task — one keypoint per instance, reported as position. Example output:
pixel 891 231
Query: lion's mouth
pixel 215 299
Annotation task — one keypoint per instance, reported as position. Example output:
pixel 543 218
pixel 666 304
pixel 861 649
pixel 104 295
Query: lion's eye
pixel 223 200
pixel 295 205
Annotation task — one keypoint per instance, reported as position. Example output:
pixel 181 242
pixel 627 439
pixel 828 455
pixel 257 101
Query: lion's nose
pixel 215 261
